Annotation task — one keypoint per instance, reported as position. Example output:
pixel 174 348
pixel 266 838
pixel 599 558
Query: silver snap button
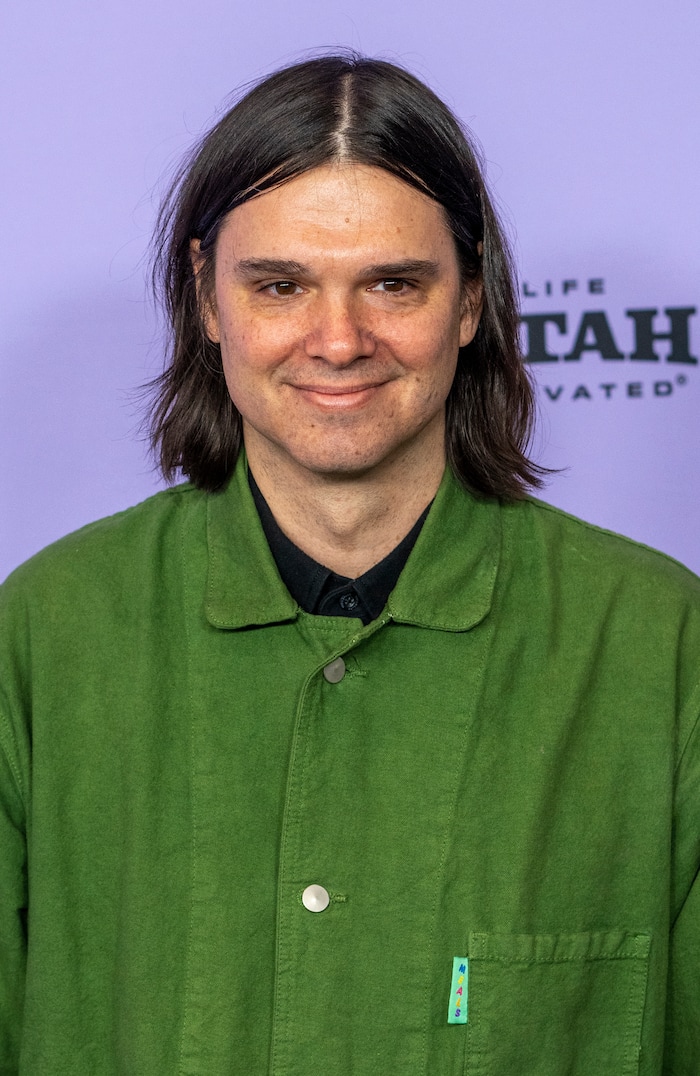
pixel 315 898
pixel 334 671
pixel 349 601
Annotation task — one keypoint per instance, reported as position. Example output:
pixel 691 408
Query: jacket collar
pixel 447 583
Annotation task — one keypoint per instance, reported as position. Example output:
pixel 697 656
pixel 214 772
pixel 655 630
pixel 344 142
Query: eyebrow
pixel 255 267
pixel 251 268
pixel 413 267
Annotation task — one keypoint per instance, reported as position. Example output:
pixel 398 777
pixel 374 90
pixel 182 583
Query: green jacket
pixel 507 773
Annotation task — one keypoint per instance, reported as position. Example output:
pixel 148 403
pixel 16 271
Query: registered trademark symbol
pixel 681 379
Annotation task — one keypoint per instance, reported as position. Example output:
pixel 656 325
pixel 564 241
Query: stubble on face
pixel 339 311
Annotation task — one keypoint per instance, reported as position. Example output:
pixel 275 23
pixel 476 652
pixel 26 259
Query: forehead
pixel 338 209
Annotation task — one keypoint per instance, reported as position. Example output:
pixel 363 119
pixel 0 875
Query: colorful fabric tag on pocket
pixel 457 1012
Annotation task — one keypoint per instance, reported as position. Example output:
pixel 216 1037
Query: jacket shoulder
pixel 588 548
pixel 116 544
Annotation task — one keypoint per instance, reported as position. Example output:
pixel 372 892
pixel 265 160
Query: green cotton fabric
pixel 508 771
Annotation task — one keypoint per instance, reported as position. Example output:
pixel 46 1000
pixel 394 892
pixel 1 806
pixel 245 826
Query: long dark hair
pixel 374 113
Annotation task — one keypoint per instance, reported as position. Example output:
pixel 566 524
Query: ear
pixel 207 303
pixel 470 315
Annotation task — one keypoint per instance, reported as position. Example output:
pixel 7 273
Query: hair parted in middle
pixel 363 111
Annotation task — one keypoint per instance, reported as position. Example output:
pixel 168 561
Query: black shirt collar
pixel 319 590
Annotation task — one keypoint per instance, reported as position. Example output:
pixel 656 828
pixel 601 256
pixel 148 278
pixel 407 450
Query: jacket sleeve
pixel 13 906
pixel 682 1040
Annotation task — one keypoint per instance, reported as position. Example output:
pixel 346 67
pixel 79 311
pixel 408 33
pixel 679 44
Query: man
pixel 347 756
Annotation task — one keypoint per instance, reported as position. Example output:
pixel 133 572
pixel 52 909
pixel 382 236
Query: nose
pixel 338 332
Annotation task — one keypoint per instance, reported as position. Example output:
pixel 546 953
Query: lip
pixel 339 396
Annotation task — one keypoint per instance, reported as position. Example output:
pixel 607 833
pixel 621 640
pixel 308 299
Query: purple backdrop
pixel 588 114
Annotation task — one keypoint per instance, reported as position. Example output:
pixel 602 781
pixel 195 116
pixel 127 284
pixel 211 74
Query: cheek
pixel 243 387
pixel 250 354
pixel 433 356
pixel 256 345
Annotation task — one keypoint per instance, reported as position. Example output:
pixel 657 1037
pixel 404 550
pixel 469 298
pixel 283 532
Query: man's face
pixel 339 310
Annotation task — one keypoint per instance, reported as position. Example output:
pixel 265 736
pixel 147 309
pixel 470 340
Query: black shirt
pixel 319 590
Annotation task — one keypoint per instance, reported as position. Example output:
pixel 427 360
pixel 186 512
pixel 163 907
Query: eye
pixel 282 288
pixel 392 285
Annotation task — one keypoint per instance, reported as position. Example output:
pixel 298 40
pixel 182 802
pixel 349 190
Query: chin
pixel 339 468
pixel 341 464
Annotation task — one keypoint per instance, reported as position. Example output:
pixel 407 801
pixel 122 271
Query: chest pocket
pixel 556 1004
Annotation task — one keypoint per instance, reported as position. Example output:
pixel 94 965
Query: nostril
pixel 339 339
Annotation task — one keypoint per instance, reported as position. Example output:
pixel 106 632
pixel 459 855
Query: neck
pixel 347 523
